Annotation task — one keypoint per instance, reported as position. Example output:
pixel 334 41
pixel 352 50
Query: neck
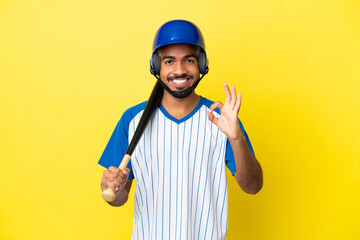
pixel 179 107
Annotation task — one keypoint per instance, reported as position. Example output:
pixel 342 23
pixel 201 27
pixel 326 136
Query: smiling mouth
pixel 179 81
pixel 180 84
pixel 179 77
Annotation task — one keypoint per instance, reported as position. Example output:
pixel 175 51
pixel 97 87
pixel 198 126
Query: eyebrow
pixel 190 55
pixel 167 57
pixel 171 57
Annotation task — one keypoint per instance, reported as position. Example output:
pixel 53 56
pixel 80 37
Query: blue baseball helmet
pixel 178 31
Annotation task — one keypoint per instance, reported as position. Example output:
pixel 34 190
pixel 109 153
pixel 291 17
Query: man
pixel 179 163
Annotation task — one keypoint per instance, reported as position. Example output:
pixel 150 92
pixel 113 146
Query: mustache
pixel 180 76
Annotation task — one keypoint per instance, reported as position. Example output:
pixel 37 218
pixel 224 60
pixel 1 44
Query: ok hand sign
pixel 228 121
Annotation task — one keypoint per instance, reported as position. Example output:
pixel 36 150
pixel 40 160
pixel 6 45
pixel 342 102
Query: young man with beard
pixel 179 163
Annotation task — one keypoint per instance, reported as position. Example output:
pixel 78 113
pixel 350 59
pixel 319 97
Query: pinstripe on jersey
pixel 179 167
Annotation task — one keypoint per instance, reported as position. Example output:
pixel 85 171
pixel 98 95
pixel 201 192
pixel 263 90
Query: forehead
pixel 178 49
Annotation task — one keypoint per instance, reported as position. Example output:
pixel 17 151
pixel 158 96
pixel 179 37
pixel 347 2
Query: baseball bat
pixel 153 102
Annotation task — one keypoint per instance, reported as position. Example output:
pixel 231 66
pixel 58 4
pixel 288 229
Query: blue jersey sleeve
pixel 117 146
pixel 229 156
pixel 119 141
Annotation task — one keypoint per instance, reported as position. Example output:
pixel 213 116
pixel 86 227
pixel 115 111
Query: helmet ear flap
pixel 203 62
pixel 155 64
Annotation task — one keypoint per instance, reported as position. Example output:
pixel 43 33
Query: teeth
pixel 177 81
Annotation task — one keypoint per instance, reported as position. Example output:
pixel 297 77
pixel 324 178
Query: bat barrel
pixel 152 104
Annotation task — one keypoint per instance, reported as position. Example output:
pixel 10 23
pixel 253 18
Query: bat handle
pixel 109 194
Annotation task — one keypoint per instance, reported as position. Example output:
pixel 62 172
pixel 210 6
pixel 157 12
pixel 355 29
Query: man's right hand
pixel 114 178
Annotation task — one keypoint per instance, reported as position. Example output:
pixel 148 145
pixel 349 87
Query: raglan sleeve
pixel 229 155
pixel 117 146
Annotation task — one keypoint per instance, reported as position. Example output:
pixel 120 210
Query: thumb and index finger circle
pixel 215 105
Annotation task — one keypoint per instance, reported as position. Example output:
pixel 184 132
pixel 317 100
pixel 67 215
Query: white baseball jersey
pixel 179 168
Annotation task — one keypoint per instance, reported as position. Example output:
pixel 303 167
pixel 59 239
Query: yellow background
pixel 68 70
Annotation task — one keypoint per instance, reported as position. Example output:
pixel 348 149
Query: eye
pixel 190 60
pixel 168 61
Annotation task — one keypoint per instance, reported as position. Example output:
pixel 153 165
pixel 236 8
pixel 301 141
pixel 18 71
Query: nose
pixel 179 68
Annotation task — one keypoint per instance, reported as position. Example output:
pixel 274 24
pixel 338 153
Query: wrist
pixel 238 137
